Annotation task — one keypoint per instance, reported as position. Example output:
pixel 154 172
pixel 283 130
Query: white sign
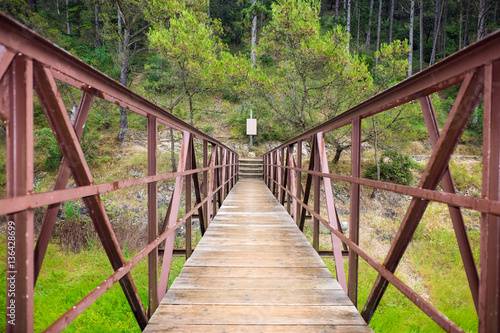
pixel 251 126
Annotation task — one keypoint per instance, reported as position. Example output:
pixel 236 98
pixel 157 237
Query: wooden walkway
pixel 254 271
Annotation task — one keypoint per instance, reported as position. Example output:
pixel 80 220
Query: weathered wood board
pixel 254 271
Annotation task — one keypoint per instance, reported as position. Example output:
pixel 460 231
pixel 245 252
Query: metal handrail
pixel 30 62
pixel 477 69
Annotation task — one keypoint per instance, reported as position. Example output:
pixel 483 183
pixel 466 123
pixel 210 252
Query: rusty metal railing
pixel 29 62
pixel 477 70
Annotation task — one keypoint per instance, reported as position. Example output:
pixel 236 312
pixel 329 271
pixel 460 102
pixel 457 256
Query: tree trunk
pixel 336 12
pixel 57 6
pixel 437 23
pixel 120 32
pixel 261 21
pixel 410 55
pixel 495 12
pixel 421 46
pixel 466 27
pixel 348 23
pixel 338 152
pixel 358 18
pixel 377 163
pixel 254 37
pixel 378 30
pixel 445 14
pixel 460 27
pixel 123 80
pixel 191 110
pixel 96 18
pixel 68 26
pixel 391 21
pixel 367 46
pixel 481 19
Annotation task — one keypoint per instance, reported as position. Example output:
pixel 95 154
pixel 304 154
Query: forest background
pixel 294 64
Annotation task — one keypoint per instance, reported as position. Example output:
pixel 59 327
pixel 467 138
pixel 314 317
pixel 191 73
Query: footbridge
pixel 253 270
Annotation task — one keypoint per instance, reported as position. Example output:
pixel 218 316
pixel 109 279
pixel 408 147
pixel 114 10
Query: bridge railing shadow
pixel 28 63
pixel 476 71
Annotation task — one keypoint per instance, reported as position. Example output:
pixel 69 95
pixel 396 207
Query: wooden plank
pixel 257 297
pixel 259 314
pixel 256 262
pixel 301 248
pixel 254 271
pixel 156 327
pixel 182 282
pixel 211 252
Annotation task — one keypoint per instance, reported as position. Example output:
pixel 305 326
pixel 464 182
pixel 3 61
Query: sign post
pixel 251 128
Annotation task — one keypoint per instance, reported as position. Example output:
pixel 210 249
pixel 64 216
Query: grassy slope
pixel 66 277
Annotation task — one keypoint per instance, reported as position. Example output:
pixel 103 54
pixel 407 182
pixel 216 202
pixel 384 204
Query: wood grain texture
pixel 254 271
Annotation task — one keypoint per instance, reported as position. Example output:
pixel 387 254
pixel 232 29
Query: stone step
pixel 250 175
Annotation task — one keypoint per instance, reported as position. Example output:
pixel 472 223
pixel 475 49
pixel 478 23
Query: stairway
pixel 250 168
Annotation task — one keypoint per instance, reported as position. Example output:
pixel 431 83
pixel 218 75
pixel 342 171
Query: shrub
pixel 395 167
pixel 46 145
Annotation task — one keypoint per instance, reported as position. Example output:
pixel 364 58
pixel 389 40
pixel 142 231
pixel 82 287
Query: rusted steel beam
pixel 440 319
pixel 190 158
pixel 172 219
pixel 332 213
pixel 55 112
pixel 17 97
pixel 489 283
pixel 307 190
pixel 465 103
pixel 478 204
pixel 197 191
pixel 152 215
pixel 50 216
pixel 67 68
pixel 455 212
pixel 218 179
pixel 70 315
pixel 6 57
pixel 292 185
pixel 204 189
pixel 286 179
pixel 317 194
pixel 352 291
pixel 212 182
pixel 12 205
pixel 298 179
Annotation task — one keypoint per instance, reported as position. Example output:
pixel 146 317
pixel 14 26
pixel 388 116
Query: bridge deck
pixel 254 271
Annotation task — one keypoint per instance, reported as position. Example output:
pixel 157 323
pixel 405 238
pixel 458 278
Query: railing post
pixel 317 196
pixel 18 101
pixel 188 197
pixel 298 186
pixel 489 283
pixel 175 203
pixel 288 172
pixel 332 213
pixel 352 291
pixel 291 184
pixel 204 185
pixel 152 214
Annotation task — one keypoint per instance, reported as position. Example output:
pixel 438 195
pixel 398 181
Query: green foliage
pixel 395 167
pixel 208 128
pixel 393 63
pixel 46 145
pixel 71 211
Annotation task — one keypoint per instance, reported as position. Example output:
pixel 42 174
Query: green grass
pixel 436 259
pixel 66 277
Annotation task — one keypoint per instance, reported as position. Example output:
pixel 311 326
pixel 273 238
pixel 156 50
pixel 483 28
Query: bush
pixel 395 167
pixel 46 145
